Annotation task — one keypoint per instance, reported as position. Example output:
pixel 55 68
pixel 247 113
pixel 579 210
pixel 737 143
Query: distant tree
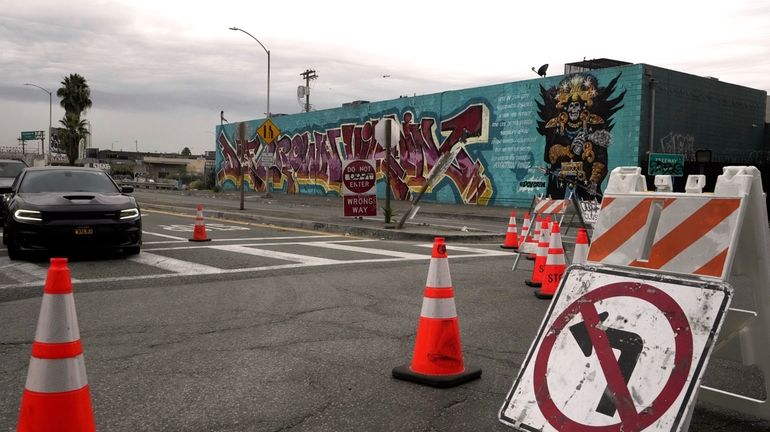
pixel 74 130
pixel 75 94
pixel 75 99
pixel 186 151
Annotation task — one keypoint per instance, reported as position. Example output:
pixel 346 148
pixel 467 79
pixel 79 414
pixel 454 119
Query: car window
pixel 10 169
pixel 66 181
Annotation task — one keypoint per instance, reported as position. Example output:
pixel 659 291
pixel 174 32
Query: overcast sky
pixel 160 71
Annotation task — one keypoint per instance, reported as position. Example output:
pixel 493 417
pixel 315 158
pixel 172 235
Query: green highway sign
pixel 31 135
pixel 665 163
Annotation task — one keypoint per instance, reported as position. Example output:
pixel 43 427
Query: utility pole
pixel 309 74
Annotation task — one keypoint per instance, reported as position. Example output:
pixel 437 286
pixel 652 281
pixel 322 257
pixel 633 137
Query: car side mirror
pixel 126 189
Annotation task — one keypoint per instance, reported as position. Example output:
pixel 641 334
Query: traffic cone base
pixel 437 360
pixel 543 296
pixel 440 381
pixel 532 283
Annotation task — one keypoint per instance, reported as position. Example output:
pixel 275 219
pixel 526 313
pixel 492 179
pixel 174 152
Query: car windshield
pixel 10 169
pixel 66 181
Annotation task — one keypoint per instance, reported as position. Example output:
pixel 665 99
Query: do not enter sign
pixel 358 176
pixel 619 350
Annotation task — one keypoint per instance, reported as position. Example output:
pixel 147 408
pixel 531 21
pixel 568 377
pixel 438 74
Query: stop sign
pixel 359 176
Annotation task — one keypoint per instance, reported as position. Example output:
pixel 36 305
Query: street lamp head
pixel 234 28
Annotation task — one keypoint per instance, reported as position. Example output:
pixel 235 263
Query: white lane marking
pixel 163 235
pixel 309 260
pixel 174 265
pixel 329 245
pixel 22 272
pixel 182 240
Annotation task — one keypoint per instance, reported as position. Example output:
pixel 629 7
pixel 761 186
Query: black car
pixel 9 168
pixel 70 209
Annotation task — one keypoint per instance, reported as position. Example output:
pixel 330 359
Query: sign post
pixel 359 178
pixel 386 131
pixel 269 132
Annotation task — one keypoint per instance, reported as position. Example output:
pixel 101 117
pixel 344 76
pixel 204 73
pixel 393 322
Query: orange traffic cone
pixel 535 238
pixel 554 266
pixel 511 236
pixel 542 254
pixel 199 233
pixel 524 228
pixel 438 358
pixel 56 395
pixel 580 255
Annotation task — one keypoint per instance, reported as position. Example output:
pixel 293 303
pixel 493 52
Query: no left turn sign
pixel 619 350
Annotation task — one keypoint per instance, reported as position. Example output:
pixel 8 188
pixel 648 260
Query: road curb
pixel 335 228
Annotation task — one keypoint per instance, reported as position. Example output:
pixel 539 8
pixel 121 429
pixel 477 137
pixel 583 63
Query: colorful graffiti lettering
pixel 313 160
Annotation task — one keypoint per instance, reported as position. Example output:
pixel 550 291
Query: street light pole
pixel 269 114
pixel 268 66
pixel 50 115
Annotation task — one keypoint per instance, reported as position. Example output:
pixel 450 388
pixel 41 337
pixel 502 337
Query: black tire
pixel 131 250
pixel 14 253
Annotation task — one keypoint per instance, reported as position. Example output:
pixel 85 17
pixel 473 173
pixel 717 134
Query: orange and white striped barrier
pixel 56 395
pixel 438 359
pixel 554 265
pixel 511 236
pixel 550 206
pixel 722 236
pixel 580 254
pixel 199 232
pixel 542 254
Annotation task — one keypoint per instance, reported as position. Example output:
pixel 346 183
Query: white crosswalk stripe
pixel 26 274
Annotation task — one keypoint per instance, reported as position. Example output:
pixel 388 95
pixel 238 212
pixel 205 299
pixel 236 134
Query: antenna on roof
pixel 541 70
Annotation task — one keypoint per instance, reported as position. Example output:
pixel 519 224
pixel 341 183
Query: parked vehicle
pixel 70 209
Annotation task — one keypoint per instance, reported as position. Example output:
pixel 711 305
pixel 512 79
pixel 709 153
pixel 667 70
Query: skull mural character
pixel 576 120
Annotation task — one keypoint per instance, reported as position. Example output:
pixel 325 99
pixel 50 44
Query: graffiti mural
pixel 313 159
pixel 498 132
pixel 575 117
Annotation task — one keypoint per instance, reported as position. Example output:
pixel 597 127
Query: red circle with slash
pixel 630 418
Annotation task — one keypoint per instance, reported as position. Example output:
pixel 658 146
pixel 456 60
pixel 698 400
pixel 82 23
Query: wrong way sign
pixel 618 350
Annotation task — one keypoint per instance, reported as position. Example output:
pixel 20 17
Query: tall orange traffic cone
pixel 438 358
pixel 524 229
pixel 554 266
pixel 542 254
pixel 535 238
pixel 580 254
pixel 511 236
pixel 199 233
pixel 56 395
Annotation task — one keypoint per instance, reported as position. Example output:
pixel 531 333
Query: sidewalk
pixel 455 222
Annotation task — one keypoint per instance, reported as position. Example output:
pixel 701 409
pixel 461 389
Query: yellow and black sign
pixel 268 131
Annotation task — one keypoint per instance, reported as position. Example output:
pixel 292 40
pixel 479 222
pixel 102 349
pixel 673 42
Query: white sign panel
pixel 619 350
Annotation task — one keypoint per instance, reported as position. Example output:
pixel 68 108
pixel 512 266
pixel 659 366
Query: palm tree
pixel 75 99
pixel 74 130
pixel 75 94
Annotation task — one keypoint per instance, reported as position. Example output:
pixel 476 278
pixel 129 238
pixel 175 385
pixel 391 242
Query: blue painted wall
pixel 580 125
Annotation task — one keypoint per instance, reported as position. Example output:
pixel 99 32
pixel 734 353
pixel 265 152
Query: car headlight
pixel 28 215
pixel 129 213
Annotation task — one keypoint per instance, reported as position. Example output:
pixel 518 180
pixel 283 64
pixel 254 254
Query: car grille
pixel 57 216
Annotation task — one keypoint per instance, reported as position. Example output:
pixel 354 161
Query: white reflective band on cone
pixel 555 259
pixel 54 376
pixel 438 308
pixel 58 321
pixel 438 273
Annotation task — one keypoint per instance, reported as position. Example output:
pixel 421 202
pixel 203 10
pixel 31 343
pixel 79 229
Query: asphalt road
pixel 264 329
